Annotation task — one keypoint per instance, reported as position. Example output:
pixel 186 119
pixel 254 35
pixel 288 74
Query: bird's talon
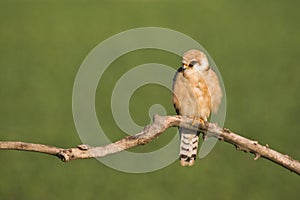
pixel 195 119
pixel 201 121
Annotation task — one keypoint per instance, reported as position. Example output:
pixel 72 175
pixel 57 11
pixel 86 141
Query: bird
pixel 196 94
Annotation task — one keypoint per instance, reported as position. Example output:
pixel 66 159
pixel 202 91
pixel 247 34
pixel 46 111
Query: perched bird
pixel 196 93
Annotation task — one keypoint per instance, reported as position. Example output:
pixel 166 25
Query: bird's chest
pixel 197 98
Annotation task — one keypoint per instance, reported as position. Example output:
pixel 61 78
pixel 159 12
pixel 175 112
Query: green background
pixel 42 44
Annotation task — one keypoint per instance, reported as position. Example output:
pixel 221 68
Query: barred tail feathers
pixel 188 147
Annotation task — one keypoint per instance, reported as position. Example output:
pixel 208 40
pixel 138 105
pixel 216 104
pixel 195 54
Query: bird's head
pixel 195 59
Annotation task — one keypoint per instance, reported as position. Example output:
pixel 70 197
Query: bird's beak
pixel 184 66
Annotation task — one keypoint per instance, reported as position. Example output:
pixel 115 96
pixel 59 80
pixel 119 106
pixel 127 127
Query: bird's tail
pixel 188 146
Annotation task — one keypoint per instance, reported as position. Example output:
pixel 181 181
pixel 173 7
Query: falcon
pixel 196 94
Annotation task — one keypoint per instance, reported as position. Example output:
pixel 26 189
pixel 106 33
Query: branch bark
pixel 152 131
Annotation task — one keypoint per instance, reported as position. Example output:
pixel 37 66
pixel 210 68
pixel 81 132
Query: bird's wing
pixel 175 90
pixel 215 90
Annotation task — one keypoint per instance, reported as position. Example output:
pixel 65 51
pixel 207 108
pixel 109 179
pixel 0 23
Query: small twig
pixel 152 131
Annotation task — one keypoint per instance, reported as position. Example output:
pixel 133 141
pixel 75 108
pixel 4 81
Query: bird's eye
pixel 192 63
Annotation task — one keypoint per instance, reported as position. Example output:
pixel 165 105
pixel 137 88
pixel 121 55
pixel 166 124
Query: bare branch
pixel 152 131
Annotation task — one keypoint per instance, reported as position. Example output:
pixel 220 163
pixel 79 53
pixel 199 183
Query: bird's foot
pixel 197 119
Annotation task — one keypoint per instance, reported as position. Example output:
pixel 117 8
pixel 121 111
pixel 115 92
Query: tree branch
pixel 152 131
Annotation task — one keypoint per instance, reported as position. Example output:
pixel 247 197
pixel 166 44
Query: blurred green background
pixel 42 44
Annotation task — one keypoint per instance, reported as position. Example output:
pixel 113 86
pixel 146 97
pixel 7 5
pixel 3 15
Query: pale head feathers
pixel 195 58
